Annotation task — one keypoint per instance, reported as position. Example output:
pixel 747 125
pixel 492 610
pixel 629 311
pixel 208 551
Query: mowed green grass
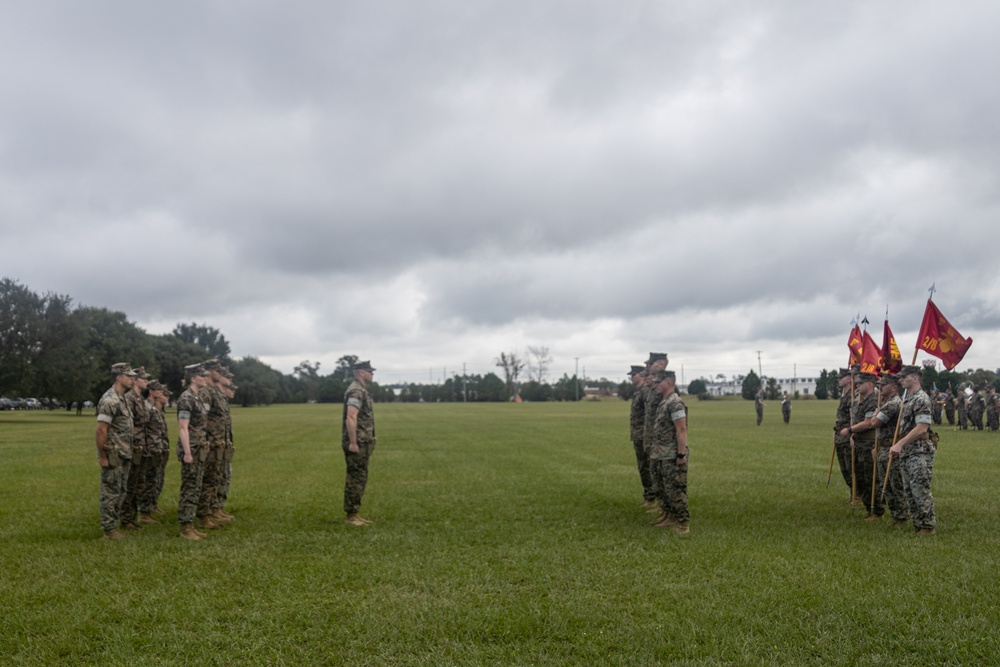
pixel 505 535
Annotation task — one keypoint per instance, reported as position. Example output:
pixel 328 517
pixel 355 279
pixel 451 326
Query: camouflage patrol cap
pixel 656 356
pixel 843 373
pixel 226 373
pixel 194 369
pixel 887 379
pixel 212 365
pixel 636 370
pixel 156 385
pixel 867 377
pixel 141 373
pixel 855 369
pixel 665 375
pixel 910 370
pixel 363 366
pixel 123 368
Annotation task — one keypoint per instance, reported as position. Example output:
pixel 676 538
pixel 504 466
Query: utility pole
pixel 795 378
pixel 760 370
pixel 465 385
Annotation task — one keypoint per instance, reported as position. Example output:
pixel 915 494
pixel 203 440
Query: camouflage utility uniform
pixel 216 435
pixel 190 407
pixel 157 450
pixel 637 420
pixel 671 475
pixel 843 443
pixel 113 411
pixel 140 460
pixel 864 450
pixel 357 464
pixel 916 461
pixel 888 414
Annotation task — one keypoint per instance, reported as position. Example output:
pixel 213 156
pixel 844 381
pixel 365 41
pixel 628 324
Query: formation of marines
pixel 658 428
pixel 977 407
pixel 133 447
pixel 878 435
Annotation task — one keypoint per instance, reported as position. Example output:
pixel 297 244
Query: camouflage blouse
pixel 670 410
pixel 216 427
pixel 191 407
pixel 357 396
pixel 916 410
pixel 888 414
pixel 157 438
pixel 637 414
pixel 113 411
pixel 137 406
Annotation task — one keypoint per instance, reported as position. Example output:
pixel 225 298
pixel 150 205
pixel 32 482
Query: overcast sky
pixel 427 184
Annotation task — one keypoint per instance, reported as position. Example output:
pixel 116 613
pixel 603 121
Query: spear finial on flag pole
pixel 865 322
pixel 932 290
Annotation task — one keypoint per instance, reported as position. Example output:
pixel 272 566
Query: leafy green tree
pixel 490 388
pixel 751 385
pixel 344 365
pixel 568 388
pixel 534 390
pixel 773 391
pixel 64 369
pixel 21 332
pixel 209 338
pixel 111 338
pixel 171 356
pixel 308 374
pixel 697 387
pixel 258 383
pixel 822 387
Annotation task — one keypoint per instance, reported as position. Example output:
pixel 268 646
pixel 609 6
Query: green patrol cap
pixel 656 356
pixel 867 377
pixel 910 370
pixel 889 378
pixel 363 366
pixel 636 370
pixel 194 369
pixel 666 375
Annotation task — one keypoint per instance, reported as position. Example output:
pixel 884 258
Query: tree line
pixel 52 348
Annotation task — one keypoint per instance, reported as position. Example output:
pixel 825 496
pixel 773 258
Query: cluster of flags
pixel 937 337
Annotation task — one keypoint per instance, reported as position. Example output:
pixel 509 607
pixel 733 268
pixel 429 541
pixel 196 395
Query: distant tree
pixel 512 366
pixel 171 355
pixel 490 388
pixel 822 390
pixel 210 338
pixel 626 390
pixel 773 391
pixel 21 332
pixel 568 388
pixel 751 384
pixel 308 374
pixel 345 366
pixel 258 383
pixel 111 338
pixel 697 387
pixel 539 361
pixel 533 390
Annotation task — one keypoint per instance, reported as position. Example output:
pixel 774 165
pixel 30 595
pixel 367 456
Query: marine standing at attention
pixel 357 439
pixel 669 454
pixel 915 451
pixel 192 449
pixel 114 448
pixel 637 415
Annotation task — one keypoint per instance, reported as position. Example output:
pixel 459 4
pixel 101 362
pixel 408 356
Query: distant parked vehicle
pixel 6 403
pixel 33 404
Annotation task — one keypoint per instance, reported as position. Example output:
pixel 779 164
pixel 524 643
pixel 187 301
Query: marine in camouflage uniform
pixel 786 408
pixel 216 436
pixel 992 408
pixel 961 406
pixel 114 448
pixel 140 460
pixel 863 432
pixel 637 415
pixel 357 439
pixel 976 409
pixel 157 450
pixel 192 450
pixel 842 443
pixel 669 454
pixel 886 419
pixel 949 407
pixel 651 401
pixel 758 404
pixel 229 391
pixel 915 451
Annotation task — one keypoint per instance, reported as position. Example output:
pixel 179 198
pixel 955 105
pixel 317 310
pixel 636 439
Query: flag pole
pixel 878 400
pixel 895 436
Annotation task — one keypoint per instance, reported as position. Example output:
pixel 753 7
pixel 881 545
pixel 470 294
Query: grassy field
pixel 505 535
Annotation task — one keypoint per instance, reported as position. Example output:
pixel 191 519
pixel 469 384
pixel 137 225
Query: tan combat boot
pixel 147 518
pixel 208 523
pixel 222 517
pixel 113 534
pixel 682 528
pixel 189 533
pixel 355 520
pixel 157 510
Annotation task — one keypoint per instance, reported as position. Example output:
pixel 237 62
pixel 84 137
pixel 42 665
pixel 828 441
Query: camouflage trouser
pixel 356 477
pixel 760 415
pixel 147 483
pixel 133 488
pixel 950 414
pixel 211 483
pixel 673 484
pixel 227 475
pixel 191 477
pixel 161 470
pixel 992 420
pixel 642 460
pixel 864 473
pixel 936 414
pixel 844 459
pixel 786 413
pixel 895 499
pixel 916 470
pixel 963 420
pixel 976 417
pixel 112 495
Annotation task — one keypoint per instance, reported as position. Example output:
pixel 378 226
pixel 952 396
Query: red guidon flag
pixel 892 360
pixel 939 338
pixel 870 355
pixel 855 345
